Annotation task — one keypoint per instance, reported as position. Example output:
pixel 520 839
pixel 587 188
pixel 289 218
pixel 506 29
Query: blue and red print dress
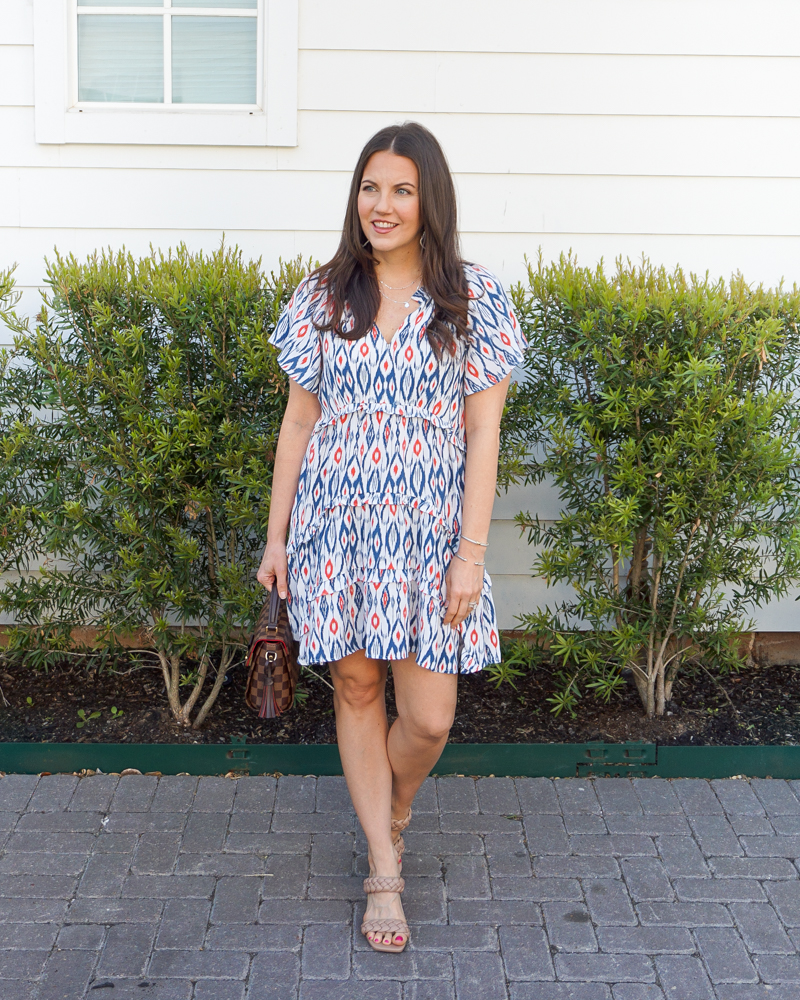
pixel 378 508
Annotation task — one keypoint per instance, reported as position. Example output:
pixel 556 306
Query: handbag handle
pixel 274 608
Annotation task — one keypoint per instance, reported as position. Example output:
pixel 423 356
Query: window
pixel 211 72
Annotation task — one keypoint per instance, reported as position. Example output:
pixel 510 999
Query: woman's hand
pixel 274 568
pixel 463 584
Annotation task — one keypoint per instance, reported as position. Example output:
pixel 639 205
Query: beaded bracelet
pixel 483 545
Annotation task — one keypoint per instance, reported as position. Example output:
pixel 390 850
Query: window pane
pixel 249 4
pixel 214 60
pixel 121 3
pixel 120 58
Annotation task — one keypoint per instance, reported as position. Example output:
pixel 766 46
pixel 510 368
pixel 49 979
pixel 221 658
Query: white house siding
pixel 669 127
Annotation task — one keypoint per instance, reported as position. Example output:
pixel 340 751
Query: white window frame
pixel 62 119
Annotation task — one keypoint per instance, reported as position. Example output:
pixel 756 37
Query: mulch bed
pixel 758 706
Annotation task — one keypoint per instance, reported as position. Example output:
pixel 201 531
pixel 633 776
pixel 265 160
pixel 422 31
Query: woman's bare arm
pixel 464 580
pixel 302 413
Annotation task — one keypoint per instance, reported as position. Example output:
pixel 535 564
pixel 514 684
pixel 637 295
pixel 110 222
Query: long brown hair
pixel 350 274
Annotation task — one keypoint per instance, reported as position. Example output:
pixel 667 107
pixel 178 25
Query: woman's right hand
pixel 274 568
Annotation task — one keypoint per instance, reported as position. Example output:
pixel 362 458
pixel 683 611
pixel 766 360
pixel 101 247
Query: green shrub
pixel 141 412
pixel 665 411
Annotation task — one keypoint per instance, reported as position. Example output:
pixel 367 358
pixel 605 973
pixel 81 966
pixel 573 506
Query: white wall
pixel 669 127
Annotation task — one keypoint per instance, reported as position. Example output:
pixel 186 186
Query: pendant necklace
pixel 397 302
pixel 398 288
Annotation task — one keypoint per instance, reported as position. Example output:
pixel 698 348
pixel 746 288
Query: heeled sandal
pixel 399 845
pixel 387 925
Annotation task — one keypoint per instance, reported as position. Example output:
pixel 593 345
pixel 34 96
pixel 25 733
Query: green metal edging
pixel 536 760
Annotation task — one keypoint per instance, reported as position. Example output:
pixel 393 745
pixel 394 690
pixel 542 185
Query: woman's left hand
pixel 463 585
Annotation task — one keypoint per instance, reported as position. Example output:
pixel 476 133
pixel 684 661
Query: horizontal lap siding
pixel 670 128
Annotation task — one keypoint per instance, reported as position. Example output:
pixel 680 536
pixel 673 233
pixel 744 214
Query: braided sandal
pixel 387 925
pixel 398 843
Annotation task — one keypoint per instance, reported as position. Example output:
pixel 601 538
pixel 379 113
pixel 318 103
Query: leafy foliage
pixel 140 415
pixel 664 409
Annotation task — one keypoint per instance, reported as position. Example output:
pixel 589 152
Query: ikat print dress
pixel 377 514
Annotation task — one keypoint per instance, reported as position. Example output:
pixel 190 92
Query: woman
pixel 399 356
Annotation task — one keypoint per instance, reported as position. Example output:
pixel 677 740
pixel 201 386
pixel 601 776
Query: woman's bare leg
pixel 359 700
pixel 426 704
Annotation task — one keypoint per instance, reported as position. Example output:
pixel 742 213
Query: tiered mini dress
pixel 377 514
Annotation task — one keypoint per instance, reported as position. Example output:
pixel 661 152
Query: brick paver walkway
pixel 223 889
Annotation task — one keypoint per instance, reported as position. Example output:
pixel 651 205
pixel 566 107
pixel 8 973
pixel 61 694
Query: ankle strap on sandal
pixel 401 824
pixel 384 883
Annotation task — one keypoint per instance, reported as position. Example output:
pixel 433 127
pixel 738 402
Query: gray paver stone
pixel 457 795
pixel 481 823
pixel 296 794
pixel 647 880
pixel 578 824
pixel 332 795
pixel 304 911
pixel 407 965
pixel 725 956
pixel 756 826
pixel 737 797
pixel 719 890
pixel 574 867
pixel 204 832
pixel 329 887
pixel 175 793
pixel 134 793
pixel 35 841
pixel 466 877
pixel 654 825
pixel 507 855
pixel 617 795
pixel 785 826
pixel 685 914
pixel 156 854
pixel 21 964
pixel 683 977
pixel 697 797
pixel 605 968
pixel 539 890
pixel 577 796
pixel 16 790
pixel 93 793
pixel 646 940
pixel 526 953
pixel 761 930
pixel 184 924
pixel 546 834
pixel 772 847
pixel 779 968
pixel 332 854
pixel 53 793
pixel 716 836
pixel 569 927
pixel 31 937
pixel 682 858
pixel 656 795
pixel 87 937
pixel 199 964
pixel 497 795
pixel 250 822
pixel 609 902
pixel 440 844
pixel 218 989
pixel 38 886
pixel 66 975
pixel 114 911
pixel 326 952
pixel 537 796
pixel 60 822
pixel 479 976
pixel 776 797
pixel 299 822
pixel 637 991
pixel 762 869
pixel 428 989
pixel 268 843
pixel 145 822
pixel 426 800
pixel 235 901
pixel 127 950
pixel 353 989
pixel 454 937
pixel 560 991
pixel 254 937
pixel 214 795
pixel 785 897
pixel 619 845
pixel 32 910
pixel 495 912
pixel 220 864
pixel 255 794
pixel 22 863
pixel 168 886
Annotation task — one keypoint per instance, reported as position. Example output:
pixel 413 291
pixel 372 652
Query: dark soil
pixel 758 706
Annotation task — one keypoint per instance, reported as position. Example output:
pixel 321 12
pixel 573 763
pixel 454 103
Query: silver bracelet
pixel 481 563
pixel 483 545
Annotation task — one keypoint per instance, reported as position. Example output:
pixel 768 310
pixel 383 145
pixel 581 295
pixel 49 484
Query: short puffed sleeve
pixel 497 342
pixel 298 340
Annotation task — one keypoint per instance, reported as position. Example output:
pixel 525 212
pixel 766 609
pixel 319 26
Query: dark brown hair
pixel 350 274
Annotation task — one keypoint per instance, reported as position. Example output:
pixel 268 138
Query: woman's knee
pixel 361 688
pixel 432 725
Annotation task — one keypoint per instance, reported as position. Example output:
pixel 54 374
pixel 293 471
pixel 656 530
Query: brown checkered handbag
pixel 272 658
